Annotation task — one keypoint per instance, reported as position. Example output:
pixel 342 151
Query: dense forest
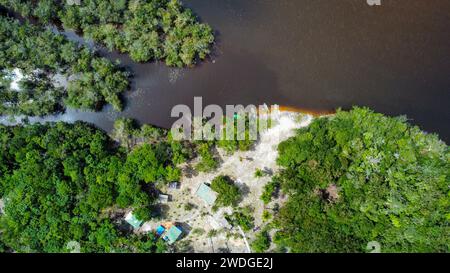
pixel 145 29
pixel 359 177
pixel 69 182
pixel 40 56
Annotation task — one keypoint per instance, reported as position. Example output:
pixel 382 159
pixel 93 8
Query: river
pixel 314 55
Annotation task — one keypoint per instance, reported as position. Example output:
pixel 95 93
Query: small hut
pixel 163 198
pixel 132 220
pixel 205 193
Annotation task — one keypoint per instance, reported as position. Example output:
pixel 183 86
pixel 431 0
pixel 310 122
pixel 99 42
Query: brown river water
pixel 312 55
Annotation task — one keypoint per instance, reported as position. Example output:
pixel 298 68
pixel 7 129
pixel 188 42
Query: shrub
pixel 228 193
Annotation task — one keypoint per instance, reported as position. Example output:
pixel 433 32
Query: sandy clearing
pixel 241 167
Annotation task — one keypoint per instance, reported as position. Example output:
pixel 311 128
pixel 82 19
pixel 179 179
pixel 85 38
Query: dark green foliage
pixel 228 193
pixel 242 217
pixel 129 134
pixel 146 29
pixel 359 177
pixel 145 164
pixel 58 180
pixel 208 162
pixel 261 243
pixel 40 55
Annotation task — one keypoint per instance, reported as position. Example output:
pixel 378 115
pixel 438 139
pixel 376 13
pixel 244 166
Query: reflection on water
pixel 315 55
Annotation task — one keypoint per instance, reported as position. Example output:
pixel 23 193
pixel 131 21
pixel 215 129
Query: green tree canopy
pixel 145 29
pixel 228 192
pixel 60 182
pixel 360 176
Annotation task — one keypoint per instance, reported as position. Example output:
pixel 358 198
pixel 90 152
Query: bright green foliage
pixel 145 29
pixel 146 163
pixel 228 192
pixel 270 189
pixel 259 173
pixel 41 54
pixel 261 243
pixel 359 177
pixel 129 134
pixel 58 180
pixel 266 216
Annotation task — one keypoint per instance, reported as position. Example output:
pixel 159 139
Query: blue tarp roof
pixel 160 230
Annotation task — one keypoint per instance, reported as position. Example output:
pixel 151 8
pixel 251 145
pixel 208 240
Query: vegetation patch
pixel 40 55
pixel 261 243
pixel 242 217
pixel 145 29
pixel 270 190
pixel 228 193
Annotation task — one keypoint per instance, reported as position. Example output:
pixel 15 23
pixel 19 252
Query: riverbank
pixel 340 57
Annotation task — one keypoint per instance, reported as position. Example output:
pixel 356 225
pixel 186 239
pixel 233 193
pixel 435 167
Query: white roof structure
pixel 163 198
pixel 2 205
pixel 205 193
pixel 132 220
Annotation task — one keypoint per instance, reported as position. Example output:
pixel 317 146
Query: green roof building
pixel 173 234
pixel 133 221
pixel 206 194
